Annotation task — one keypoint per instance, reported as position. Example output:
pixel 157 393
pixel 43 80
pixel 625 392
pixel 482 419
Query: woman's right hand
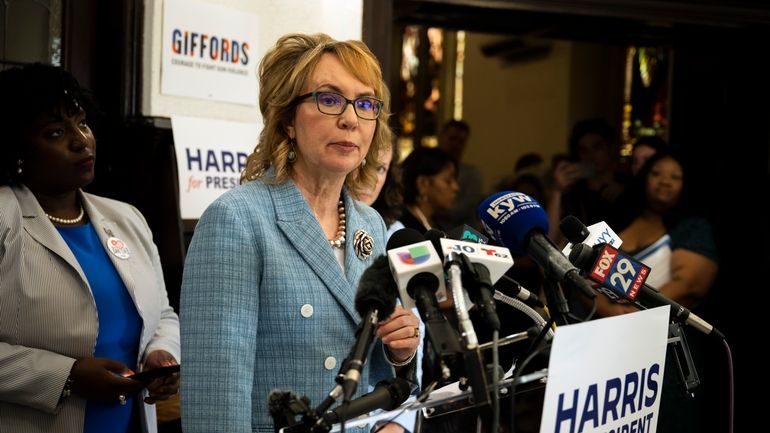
pixel 102 379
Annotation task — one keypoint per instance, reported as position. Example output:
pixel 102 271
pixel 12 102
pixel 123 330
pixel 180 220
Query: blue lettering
pixel 242 159
pixel 204 45
pixel 176 43
pixel 245 53
pixel 193 43
pixel 227 161
pixel 641 391
pixel 652 385
pixel 214 49
pixel 630 388
pixel 605 237
pixel 236 51
pixel 211 160
pixel 590 411
pixel 645 422
pixel 611 399
pixel 191 159
pixel 225 50
pixel 567 414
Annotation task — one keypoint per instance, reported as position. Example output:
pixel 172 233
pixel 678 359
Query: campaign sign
pixel 210 156
pixel 209 52
pixel 606 375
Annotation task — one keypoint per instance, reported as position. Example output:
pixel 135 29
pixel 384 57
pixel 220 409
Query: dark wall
pixel 135 158
pixel 720 117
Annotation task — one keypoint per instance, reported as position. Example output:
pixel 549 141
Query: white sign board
pixel 210 156
pixel 209 52
pixel 606 375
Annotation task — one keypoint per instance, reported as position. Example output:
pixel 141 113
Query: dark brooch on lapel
pixel 363 244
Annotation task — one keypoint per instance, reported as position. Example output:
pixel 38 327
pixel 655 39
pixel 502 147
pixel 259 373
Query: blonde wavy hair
pixel 283 73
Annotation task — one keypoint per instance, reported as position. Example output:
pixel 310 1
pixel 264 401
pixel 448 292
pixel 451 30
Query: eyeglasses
pixel 334 104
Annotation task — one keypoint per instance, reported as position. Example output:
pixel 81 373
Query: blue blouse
pixel 120 325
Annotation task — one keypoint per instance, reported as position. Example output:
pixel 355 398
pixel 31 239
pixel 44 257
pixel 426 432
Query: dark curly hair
pixel 597 126
pixel 684 208
pixel 26 93
pixel 423 161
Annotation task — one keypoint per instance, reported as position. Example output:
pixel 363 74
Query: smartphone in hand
pixel 148 376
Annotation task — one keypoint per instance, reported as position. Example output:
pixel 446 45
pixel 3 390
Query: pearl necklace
pixel 337 243
pixel 68 221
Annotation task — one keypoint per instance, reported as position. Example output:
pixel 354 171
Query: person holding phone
pixel 274 264
pixel 82 298
pixel 588 183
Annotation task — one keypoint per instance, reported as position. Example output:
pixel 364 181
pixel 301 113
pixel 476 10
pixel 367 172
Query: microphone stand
pixel 683 358
pixel 472 359
pixel 558 307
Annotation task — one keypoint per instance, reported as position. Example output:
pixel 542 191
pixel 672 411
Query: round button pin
pixel 118 248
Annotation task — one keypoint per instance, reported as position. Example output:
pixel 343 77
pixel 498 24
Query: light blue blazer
pixel 48 316
pixel 265 305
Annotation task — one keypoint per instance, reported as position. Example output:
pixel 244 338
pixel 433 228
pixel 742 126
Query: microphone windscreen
pixel 377 290
pixel 509 217
pixel 400 390
pixel 582 256
pixel 404 237
pixel 574 229
pixel 435 236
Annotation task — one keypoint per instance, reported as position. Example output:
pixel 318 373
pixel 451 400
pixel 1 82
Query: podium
pixel 448 399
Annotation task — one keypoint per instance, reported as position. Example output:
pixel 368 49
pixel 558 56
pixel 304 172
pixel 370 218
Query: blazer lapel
pixel 303 231
pixel 42 230
pixel 105 229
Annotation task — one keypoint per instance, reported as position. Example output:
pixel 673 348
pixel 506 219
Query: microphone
pixel 574 229
pixel 482 266
pixel 419 275
pixel 284 407
pixel 512 287
pixel 466 233
pixel 624 276
pixel 375 300
pixel 416 267
pixel 576 232
pixel 387 395
pixel 518 222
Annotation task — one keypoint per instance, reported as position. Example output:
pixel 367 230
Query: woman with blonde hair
pixel 273 267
